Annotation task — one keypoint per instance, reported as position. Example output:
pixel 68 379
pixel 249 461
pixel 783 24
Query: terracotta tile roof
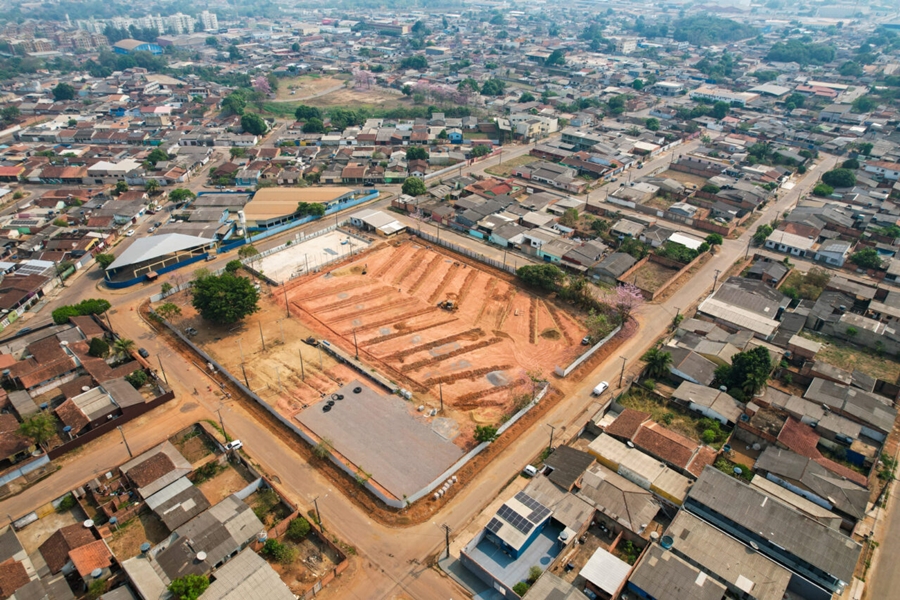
pixel 95 555
pixel 88 326
pixel 57 547
pixel 705 456
pixel 46 350
pixel 627 424
pixel 10 441
pixel 47 372
pixel 69 413
pixel 804 440
pixel 12 577
pixel 73 388
pixel 665 444
pixel 151 469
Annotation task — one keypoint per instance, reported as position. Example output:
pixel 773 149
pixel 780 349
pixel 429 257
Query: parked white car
pixel 601 387
pixel 234 445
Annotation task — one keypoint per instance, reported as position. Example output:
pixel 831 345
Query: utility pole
pixel 622 374
pixel 246 381
pixel 302 372
pixel 355 345
pixel 552 431
pixel 281 325
pixel 441 390
pixel 287 308
pixel 716 280
pixel 318 515
pixel 222 423
pixel 162 370
pixel 119 427
pixel 446 529
pixel 261 335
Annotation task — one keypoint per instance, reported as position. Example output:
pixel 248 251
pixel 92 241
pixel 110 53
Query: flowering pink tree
pixel 261 84
pixel 363 79
pixel 625 299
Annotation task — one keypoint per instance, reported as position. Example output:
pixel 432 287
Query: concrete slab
pixel 379 435
pixel 312 253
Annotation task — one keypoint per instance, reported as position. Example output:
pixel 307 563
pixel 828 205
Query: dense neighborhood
pixel 399 246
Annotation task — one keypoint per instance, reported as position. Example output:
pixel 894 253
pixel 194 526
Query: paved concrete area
pixel 312 254
pixel 379 435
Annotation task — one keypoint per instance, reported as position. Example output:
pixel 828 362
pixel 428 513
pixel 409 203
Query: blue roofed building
pixel 132 46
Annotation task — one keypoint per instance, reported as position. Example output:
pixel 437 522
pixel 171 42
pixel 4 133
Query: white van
pixel 601 387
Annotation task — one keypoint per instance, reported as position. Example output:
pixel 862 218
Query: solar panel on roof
pixel 494 526
pixel 515 519
pixel 538 514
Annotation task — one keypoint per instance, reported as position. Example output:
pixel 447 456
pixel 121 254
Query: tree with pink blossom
pixel 624 299
pixel 261 84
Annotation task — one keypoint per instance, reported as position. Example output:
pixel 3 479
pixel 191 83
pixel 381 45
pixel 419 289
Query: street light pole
pixel 222 423
pixel 162 370
pixel 355 345
pixel 119 427
pixel 287 308
pixel 552 431
pixel 261 335
pixel 302 372
pixel 716 280
pixel 622 374
pixel 318 515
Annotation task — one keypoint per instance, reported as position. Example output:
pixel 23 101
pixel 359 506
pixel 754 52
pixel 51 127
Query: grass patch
pixel 676 418
pixel 727 467
pixel 504 170
pixel 847 357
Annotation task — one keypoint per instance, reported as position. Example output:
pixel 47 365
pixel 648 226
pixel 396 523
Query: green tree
pixel 39 427
pixel 557 58
pixel 157 155
pixel 865 148
pixel 124 347
pixel 253 123
pixel 98 348
pixel 710 188
pixel 748 370
pixel 151 186
pixel 63 91
pixel 658 362
pixel 233 265
pixel 823 189
pixel 212 41
pixel 298 529
pixel 493 87
pixel 306 209
pixel 485 433
pixel 234 53
pixel 416 153
pixel 864 104
pixel 314 125
pixel 121 188
pixel 138 379
pixel 417 62
pixel 850 163
pixel 237 152
pixel 480 150
pixel 545 276
pixel 224 299
pixel 714 239
pixel 234 104
pixel 840 178
pixel 168 310
pixel 305 112
pixel 97 588
pixel 851 69
pixel 867 258
pixel 526 97
pixel 189 587
pixel 720 110
pixel 104 260
pixel 762 234
pixel 247 251
pixel 652 124
pixel 569 218
pixel 181 195
pixel 638 84
pixel 413 186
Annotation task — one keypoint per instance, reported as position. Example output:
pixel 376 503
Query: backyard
pixel 651 276
pixel 506 167
pixel 126 540
pixel 847 357
pixel 675 418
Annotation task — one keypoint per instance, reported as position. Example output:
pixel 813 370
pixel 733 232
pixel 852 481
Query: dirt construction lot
pixel 477 354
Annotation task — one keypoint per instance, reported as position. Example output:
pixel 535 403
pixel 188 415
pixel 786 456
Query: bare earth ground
pixel 223 484
pixel 127 540
pixel 506 167
pixel 651 276
pixel 305 85
pixel 848 357
pixel 685 178
pixel 349 97
pixel 314 561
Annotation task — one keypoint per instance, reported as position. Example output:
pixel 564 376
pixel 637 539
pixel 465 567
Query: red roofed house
pixel 674 449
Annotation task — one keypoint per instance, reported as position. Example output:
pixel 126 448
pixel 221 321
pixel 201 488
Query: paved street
pixel 393 559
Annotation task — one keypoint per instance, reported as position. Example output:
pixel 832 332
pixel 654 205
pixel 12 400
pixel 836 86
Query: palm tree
pixel 658 362
pixel 124 347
